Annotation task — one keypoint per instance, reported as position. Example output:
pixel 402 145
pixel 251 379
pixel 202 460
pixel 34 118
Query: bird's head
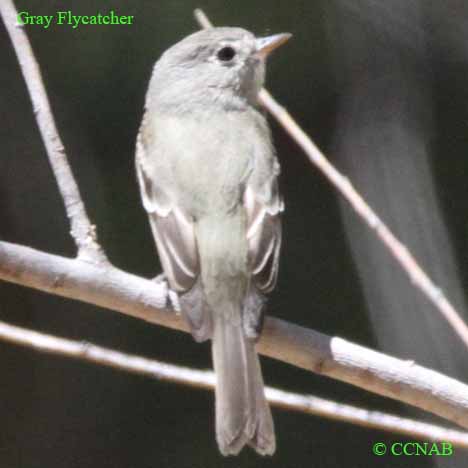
pixel 221 65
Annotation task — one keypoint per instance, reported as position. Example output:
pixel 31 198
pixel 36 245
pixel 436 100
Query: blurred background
pixel 380 86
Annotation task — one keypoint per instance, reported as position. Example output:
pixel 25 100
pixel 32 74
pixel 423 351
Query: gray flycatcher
pixel 208 177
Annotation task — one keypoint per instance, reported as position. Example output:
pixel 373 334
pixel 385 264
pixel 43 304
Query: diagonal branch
pixel 205 379
pixel 82 231
pixel 398 250
pixel 334 357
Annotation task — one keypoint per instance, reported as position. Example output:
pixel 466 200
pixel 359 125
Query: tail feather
pixel 242 412
pixel 231 314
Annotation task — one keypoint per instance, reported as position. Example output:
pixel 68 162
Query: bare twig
pixel 112 288
pixel 205 379
pixel 202 19
pixel 406 260
pixel 82 231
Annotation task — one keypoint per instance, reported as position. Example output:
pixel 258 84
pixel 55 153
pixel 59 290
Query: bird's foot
pixel 172 298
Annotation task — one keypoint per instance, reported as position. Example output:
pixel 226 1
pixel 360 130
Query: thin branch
pixel 398 250
pixel 206 379
pixel 82 231
pixel 114 289
pixel 201 18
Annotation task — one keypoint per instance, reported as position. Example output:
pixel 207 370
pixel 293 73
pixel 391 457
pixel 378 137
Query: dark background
pixel 380 86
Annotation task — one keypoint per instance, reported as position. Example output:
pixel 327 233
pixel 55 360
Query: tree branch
pixel 114 289
pixel 205 379
pixel 397 249
pixel 82 231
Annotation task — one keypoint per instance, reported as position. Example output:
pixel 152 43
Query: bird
pixel 208 177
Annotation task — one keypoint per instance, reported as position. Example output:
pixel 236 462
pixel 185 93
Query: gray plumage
pixel 208 177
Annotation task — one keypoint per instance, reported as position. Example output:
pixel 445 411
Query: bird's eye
pixel 226 54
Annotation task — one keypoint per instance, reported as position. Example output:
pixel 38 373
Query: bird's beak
pixel 265 45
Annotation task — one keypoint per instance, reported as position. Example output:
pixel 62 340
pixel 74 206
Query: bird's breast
pixel 209 158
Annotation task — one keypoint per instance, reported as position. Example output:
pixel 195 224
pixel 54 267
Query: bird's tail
pixel 242 412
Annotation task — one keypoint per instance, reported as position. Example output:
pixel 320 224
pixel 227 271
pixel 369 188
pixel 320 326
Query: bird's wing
pixel 264 206
pixel 173 229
